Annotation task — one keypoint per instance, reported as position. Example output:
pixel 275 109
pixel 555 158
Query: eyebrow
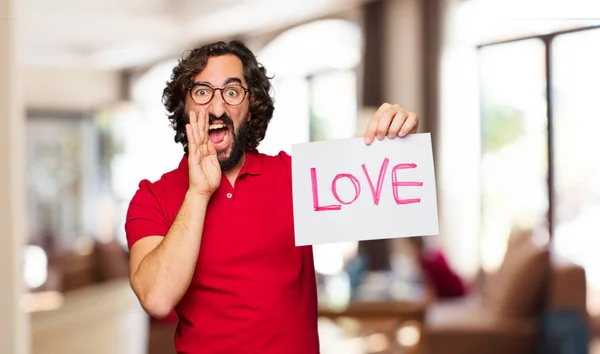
pixel 227 82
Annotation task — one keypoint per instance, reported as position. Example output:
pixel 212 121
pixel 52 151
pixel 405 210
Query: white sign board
pixel 347 191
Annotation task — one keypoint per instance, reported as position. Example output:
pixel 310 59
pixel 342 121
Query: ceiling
pixel 118 34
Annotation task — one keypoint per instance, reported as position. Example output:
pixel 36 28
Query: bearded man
pixel 213 240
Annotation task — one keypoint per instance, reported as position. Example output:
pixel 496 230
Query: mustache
pixel 225 118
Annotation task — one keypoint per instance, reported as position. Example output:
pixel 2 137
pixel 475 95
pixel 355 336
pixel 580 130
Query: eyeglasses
pixel 233 94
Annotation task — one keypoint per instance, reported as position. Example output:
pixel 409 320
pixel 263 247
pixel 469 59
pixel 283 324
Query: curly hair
pixel 182 78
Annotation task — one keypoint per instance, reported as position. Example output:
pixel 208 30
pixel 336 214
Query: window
pixel 539 138
pixel 315 73
pixel 514 143
pixel 61 156
pixel 575 78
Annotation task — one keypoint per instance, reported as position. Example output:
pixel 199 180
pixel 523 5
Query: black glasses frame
pixel 214 89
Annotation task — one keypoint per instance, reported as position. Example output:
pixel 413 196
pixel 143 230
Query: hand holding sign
pixel 391 120
pixel 347 191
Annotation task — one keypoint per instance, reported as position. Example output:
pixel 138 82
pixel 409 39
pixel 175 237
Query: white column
pixel 402 54
pixel 459 140
pixel 14 330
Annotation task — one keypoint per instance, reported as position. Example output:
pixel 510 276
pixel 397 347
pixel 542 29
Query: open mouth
pixel 220 135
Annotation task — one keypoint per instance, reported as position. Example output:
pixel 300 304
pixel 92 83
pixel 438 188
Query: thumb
pixel 212 150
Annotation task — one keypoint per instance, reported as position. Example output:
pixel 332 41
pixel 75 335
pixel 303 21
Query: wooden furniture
pixel 401 322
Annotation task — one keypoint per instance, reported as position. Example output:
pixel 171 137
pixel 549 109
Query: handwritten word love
pixel 375 189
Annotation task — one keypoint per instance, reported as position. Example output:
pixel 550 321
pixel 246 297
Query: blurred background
pixel 507 89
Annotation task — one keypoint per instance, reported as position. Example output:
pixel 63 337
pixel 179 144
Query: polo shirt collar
pixel 252 165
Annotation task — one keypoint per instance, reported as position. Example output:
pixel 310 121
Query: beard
pixel 239 143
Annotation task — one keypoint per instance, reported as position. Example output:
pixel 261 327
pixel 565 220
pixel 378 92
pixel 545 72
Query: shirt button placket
pixel 230 197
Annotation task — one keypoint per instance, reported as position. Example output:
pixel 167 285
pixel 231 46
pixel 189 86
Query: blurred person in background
pixel 441 281
pixel 214 238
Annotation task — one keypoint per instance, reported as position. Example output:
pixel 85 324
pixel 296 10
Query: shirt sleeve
pixel 145 216
pixel 287 162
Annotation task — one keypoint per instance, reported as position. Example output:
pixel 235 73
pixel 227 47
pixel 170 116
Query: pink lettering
pixel 376 191
pixel 352 179
pixel 315 193
pixel 396 184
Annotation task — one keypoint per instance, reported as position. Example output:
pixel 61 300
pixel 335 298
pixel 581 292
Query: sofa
pixel 515 309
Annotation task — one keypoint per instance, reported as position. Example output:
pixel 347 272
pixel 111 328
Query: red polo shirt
pixel 253 290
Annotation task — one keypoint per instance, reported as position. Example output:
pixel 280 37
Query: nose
pixel 217 105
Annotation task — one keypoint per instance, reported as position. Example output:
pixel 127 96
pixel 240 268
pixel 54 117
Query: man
pixel 214 238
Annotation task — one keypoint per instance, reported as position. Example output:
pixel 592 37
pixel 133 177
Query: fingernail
pixel 390 136
pixel 367 140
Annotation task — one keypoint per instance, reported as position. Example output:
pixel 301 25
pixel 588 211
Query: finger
pixel 203 124
pixel 191 135
pixel 410 125
pixel 192 146
pixel 195 129
pixel 193 120
pixel 211 149
pixel 397 123
pixel 372 127
pixel 194 123
pixel 384 123
pixel 370 133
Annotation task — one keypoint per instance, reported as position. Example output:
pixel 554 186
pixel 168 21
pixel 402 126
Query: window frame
pixel 547 40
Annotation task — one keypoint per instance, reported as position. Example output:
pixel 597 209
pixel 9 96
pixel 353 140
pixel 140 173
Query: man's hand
pixel 204 168
pixel 162 266
pixel 391 121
